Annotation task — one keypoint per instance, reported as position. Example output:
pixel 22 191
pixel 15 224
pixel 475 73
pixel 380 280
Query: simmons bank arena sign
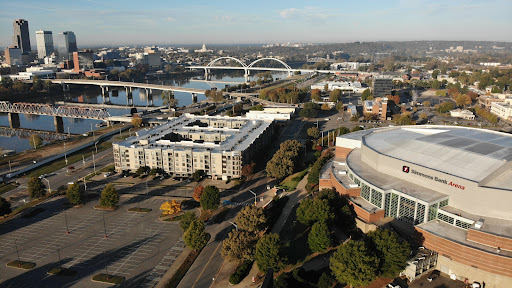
pixel 406 169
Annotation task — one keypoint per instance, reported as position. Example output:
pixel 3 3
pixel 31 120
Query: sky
pixel 172 22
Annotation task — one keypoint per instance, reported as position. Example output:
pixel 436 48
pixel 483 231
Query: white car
pixel 71 183
pixel 107 174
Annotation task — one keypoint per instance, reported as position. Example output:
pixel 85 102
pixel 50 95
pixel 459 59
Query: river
pixel 93 95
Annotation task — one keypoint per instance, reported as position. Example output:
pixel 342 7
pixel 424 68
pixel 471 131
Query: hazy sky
pixel 115 22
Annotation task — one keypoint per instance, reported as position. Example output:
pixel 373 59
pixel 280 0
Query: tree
pixel 251 219
pixel 392 252
pixel 216 96
pixel 186 219
pixel 169 100
pixel 325 280
pixel 5 207
pixel 325 107
pixel 308 113
pixel 37 84
pixel 75 194
pixel 354 264
pixel 366 95
pixel 239 246
pixel 441 93
pixel 269 253
pixel 435 73
pixel 436 84
pixel 197 175
pixel 313 132
pixel 280 167
pixel 326 88
pixel 35 141
pixel 445 107
pixel 313 210
pixel 403 119
pixel 136 121
pixel 335 95
pixel 195 237
pixel 198 192
pixel 109 196
pixel 423 116
pixel 426 104
pixel 210 199
pixel 36 188
pixel 340 107
pixel 248 169
pixel 319 238
pixel 316 94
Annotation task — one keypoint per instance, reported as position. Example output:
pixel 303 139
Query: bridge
pixel 14 109
pixel 27 133
pixel 106 85
pixel 250 67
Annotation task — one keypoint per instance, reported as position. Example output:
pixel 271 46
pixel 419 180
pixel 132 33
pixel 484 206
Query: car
pixel 391 285
pixel 107 174
pixel 433 276
pixel 71 183
pixel 43 176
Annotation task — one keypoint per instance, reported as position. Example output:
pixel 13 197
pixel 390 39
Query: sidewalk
pixel 222 277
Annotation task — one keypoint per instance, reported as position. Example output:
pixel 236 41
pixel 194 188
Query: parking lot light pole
pixel 104 228
pixel 255 200
pixel 17 252
pixel 105 260
pixel 66 218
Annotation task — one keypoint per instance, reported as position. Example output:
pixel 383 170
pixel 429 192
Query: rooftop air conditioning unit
pixel 479 224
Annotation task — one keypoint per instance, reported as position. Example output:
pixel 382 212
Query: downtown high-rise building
pixel 21 38
pixel 44 41
pixel 66 45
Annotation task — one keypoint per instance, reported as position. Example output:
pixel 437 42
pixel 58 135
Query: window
pixel 432 212
pixel 376 198
pixel 407 208
pixel 462 224
pixel 445 218
pixel 443 203
pixel 420 214
pixel 365 192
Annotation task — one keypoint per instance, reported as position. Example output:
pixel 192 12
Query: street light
pixel 236 226
pixel 255 201
pixel 65 156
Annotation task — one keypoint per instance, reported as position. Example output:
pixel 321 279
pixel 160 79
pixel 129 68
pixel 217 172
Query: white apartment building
pixel 502 110
pixel 462 113
pixel 218 145
pixel 345 87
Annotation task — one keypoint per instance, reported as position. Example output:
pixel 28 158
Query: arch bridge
pixel 246 67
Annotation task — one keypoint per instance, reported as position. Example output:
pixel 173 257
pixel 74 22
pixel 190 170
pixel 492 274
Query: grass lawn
pixel 295 234
pixel 182 270
pixel 139 209
pixel 107 278
pixel 72 158
pixel 291 182
pixel 62 271
pixel 7 187
pixel 21 264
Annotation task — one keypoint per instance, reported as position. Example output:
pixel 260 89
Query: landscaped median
pixel 62 271
pixel 140 210
pixel 21 265
pixel 107 278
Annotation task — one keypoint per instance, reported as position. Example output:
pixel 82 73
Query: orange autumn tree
pixel 198 192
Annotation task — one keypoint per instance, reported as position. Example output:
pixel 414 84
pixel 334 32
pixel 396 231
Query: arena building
pixel 453 184
pixel 218 145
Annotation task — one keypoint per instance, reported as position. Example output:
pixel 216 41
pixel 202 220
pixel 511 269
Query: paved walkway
pixel 227 268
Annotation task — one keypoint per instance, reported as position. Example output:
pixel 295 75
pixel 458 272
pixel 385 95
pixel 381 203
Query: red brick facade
pixel 476 258
pixel 366 216
pixel 489 239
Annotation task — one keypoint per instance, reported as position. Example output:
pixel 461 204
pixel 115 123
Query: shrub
pixel 241 272
pixel 75 194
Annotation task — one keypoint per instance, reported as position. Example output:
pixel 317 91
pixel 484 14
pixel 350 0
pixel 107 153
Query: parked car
pixel 433 276
pixel 107 174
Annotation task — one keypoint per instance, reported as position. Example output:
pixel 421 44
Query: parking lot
pixel 137 246
pixel 443 281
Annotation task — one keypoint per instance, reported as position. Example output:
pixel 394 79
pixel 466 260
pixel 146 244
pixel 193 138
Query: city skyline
pixel 229 22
